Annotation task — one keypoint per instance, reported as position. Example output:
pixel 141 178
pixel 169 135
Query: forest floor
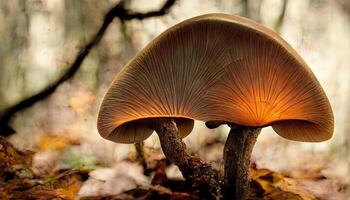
pixel 57 173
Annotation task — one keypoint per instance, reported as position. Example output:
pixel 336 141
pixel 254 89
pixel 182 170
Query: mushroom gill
pixel 266 85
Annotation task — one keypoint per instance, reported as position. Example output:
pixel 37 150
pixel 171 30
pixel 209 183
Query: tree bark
pixel 237 152
pixel 193 168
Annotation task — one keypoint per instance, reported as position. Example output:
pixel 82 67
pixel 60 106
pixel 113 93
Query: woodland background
pixel 40 40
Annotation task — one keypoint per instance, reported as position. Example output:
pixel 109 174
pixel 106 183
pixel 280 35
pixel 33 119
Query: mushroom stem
pixel 140 156
pixel 237 151
pixel 192 168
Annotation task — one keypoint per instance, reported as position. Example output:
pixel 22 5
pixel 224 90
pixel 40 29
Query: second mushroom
pixel 266 84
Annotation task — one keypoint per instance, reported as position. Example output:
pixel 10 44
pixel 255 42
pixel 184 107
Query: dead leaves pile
pixel 18 179
pixel 13 163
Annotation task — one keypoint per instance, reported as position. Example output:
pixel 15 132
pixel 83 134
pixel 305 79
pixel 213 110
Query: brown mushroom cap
pixel 216 67
pixel 268 83
pixel 168 78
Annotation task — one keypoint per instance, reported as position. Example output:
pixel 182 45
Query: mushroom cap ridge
pixel 179 74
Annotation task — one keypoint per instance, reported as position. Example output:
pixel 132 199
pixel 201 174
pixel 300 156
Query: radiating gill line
pixel 285 85
pixel 251 77
pixel 140 102
pixel 255 64
pixel 296 85
pixel 299 101
pixel 267 68
pixel 242 98
pixel 271 110
pixel 166 82
pixel 144 88
pixel 159 76
pixel 232 71
pixel 183 72
pixel 150 92
pixel 277 81
pixel 149 96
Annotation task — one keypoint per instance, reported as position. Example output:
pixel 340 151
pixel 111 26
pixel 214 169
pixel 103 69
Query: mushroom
pixel 265 84
pixel 163 89
pixel 220 69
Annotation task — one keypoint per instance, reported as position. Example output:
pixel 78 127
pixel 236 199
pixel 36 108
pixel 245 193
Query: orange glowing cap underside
pixel 217 67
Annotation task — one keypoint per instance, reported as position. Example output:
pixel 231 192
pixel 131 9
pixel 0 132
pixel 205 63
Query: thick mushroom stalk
pixel 237 152
pixel 192 168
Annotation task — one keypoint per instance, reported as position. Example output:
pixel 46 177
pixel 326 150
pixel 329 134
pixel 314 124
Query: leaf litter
pixel 20 178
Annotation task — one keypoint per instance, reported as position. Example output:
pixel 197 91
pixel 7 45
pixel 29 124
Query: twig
pixel 280 19
pixel 246 10
pixel 118 11
pixel 140 156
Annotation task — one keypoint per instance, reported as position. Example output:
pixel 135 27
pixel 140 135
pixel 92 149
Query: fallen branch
pixel 119 11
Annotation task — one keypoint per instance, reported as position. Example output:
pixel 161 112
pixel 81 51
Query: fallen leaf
pixel 275 186
pixel 14 163
pixel 70 191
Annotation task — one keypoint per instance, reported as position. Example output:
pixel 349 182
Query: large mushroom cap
pixel 168 78
pixel 216 67
pixel 268 83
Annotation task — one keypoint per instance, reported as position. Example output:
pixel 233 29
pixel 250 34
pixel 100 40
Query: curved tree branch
pixel 119 11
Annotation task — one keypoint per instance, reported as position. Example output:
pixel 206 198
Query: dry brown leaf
pixel 161 190
pixel 13 189
pixel 14 163
pixel 70 191
pixel 41 193
pixel 276 186
pixel 279 194
pixel 292 186
pixel 9 155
